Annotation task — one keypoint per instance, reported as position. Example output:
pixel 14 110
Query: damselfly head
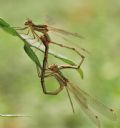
pixel 54 68
pixel 28 22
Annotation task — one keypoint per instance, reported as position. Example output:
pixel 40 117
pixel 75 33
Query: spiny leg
pixel 19 28
pixel 28 32
pixel 75 50
pixel 35 35
pixel 67 67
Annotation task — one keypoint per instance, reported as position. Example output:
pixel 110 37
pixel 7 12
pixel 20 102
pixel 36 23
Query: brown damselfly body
pixel 44 37
pixel 88 104
pixel 38 30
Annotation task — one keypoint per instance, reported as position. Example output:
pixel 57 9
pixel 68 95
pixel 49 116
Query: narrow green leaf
pixel 6 27
pixel 32 54
pixel 3 23
pixel 10 30
pixel 80 72
pixel 64 59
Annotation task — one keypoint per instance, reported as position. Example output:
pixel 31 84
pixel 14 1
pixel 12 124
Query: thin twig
pixel 14 115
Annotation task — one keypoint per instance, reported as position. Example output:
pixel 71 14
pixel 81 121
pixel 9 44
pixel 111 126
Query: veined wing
pixel 67 40
pixel 61 31
pixel 82 101
pixel 96 104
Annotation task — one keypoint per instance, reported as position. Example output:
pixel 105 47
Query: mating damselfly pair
pixel 40 33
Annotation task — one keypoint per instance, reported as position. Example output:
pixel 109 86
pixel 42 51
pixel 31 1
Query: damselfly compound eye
pixel 28 22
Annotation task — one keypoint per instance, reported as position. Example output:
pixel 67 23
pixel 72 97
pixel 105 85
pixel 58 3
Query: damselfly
pixel 88 104
pixel 45 39
pixel 41 31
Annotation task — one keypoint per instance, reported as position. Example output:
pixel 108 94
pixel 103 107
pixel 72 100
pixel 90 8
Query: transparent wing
pixel 96 104
pixel 67 40
pixel 49 20
pixel 82 101
pixel 64 32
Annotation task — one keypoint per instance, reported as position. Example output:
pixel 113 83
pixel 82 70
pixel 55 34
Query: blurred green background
pixel 20 91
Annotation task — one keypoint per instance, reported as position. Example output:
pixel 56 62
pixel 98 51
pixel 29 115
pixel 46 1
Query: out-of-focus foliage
pixel 20 91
